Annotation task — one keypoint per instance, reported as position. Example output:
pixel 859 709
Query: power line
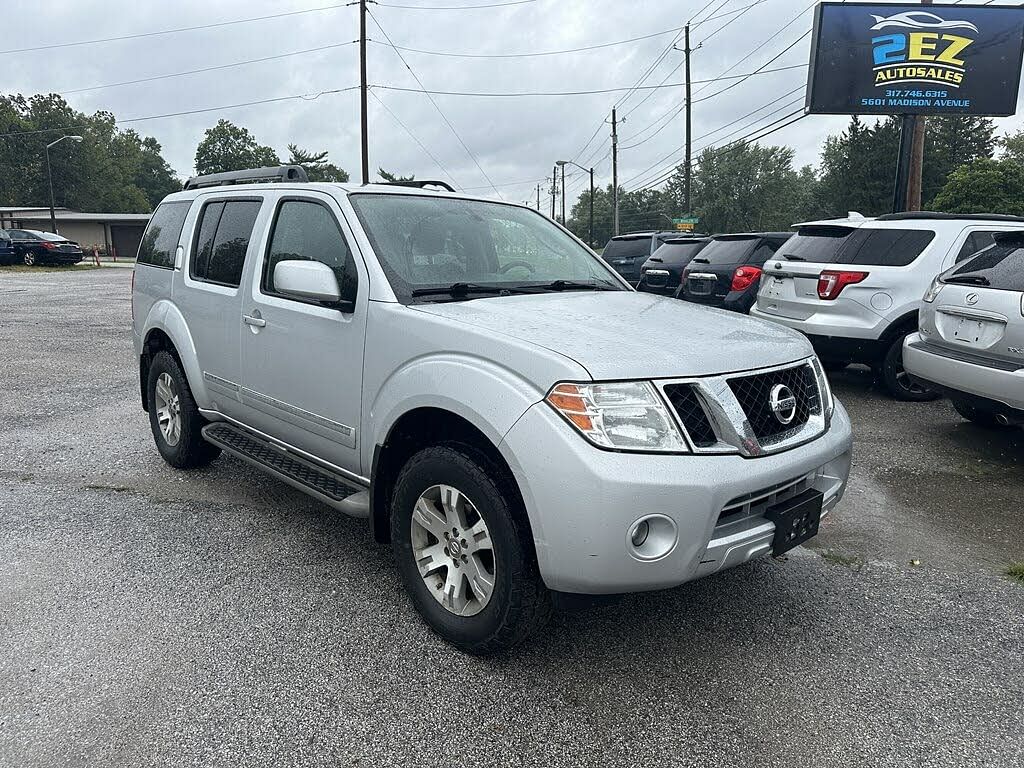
pixel 429 96
pixel 452 7
pixel 414 138
pixel 500 94
pixel 757 71
pixel 209 69
pixel 730 21
pixel 175 30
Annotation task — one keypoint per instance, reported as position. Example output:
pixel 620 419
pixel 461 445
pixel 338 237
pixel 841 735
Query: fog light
pixel 652 537
pixel 640 532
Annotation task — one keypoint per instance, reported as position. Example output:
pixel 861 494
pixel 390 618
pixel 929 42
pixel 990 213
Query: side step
pixel 329 487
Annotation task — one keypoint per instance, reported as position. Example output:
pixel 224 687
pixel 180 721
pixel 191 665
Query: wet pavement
pixel 153 617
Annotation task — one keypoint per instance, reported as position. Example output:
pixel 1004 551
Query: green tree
pixel 857 168
pixel 984 186
pixel 229 147
pixel 1013 147
pixel 951 142
pixel 393 178
pixel 316 165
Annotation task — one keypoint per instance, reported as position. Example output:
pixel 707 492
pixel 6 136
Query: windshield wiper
pixel 577 285
pixel 464 289
pixel 969 279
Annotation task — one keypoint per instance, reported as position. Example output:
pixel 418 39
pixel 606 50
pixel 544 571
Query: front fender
pixel 486 394
pixel 166 317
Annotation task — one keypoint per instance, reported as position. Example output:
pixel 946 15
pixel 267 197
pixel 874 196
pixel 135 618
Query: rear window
pixel 1001 265
pixel 634 246
pixel 162 234
pixel 678 253
pixel 224 230
pixel 863 247
pixel 728 250
pixel 49 236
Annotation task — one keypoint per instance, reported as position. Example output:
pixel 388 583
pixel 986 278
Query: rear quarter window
pixel 163 233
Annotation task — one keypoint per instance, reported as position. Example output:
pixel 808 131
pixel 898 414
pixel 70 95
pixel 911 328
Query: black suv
pixel 34 247
pixel 626 253
pixel 662 272
pixel 727 272
pixel 6 248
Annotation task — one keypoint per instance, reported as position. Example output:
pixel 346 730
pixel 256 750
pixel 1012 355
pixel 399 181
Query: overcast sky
pixel 515 140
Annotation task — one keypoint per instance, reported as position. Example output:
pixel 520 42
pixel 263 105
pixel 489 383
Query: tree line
pixel 753 187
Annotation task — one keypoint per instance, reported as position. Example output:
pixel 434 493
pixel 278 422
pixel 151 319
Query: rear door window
pixel 162 235
pixel 222 239
pixel 1001 265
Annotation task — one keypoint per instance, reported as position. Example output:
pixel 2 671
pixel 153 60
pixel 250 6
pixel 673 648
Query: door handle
pixel 257 322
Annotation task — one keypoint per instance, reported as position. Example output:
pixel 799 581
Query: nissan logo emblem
pixel 972 298
pixel 783 403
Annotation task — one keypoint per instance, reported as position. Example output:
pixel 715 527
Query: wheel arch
pixel 166 329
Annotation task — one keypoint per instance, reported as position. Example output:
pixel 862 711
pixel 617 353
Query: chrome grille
pixel 754 396
pixel 691 413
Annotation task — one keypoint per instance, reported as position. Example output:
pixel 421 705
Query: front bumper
pixel 953 375
pixel 583 502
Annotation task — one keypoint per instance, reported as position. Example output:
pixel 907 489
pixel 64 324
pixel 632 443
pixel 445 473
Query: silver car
pixel 509 414
pixel 970 344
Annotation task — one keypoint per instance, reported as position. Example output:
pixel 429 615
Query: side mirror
pixel 309 280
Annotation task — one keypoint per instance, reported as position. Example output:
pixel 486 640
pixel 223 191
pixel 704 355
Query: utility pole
pixel 615 176
pixel 917 127
pixel 538 198
pixel 554 189
pixel 362 90
pixel 563 195
pixel 689 159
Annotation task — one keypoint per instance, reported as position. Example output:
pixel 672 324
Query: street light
pixel 49 176
pixel 564 163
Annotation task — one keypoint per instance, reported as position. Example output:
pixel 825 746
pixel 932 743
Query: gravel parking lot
pixel 151 617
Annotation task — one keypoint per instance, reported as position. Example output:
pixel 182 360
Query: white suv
pixel 854 285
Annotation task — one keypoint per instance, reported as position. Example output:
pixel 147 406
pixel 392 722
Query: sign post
pixel 896 59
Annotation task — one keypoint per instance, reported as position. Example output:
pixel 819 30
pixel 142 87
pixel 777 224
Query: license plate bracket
pixel 796 520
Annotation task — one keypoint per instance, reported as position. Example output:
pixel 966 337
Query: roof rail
pixel 249 176
pixel 420 184
pixel 911 215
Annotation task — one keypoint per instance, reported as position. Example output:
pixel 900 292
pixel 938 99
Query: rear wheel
pixel 895 377
pixel 465 557
pixel 975 415
pixel 29 258
pixel 174 417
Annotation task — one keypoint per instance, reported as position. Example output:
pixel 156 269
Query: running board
pixel 329 487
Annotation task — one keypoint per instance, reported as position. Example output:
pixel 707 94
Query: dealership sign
pixel 875 58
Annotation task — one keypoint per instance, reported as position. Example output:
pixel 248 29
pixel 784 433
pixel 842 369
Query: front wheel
pixel 895 377
pixel 465 557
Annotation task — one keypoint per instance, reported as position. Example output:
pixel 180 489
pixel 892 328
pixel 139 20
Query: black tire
pixel 977 416
pixel 29 259
pixel 895 378
pixel 190 449
pixel 519 603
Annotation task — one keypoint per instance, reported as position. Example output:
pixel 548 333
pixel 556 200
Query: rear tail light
pixel 831 282
pixel 682 278
pixel 744 277
pixel 47 246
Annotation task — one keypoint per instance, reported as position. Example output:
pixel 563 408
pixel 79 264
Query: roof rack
pixel 911 215
pixel 420 184
pixel 249 176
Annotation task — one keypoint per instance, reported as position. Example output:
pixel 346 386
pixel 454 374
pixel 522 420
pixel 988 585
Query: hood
pixel 628 335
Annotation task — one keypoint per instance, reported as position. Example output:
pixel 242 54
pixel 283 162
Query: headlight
pixel 933 290
pixel 626 415
pixel 828 400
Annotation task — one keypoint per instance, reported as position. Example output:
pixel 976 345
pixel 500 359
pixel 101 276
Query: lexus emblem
pixel 972 299
pixel 783 403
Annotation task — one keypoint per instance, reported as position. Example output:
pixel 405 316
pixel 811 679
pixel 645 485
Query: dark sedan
pixel 6 248
pixel 727 272
pixel 34 247
pixel 662 272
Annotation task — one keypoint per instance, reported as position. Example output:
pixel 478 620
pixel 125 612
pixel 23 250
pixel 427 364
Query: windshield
pixel 727 250
pixel 432 242
pixel 865 246
pixel 626 248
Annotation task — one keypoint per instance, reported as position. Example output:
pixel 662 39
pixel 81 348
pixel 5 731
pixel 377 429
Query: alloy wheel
pixel 453 550
pixel 30 259
pixel 168 409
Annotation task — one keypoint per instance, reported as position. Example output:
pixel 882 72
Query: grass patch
pixel 1016 571
pixel 47 268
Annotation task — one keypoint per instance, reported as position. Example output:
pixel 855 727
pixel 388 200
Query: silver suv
pixel 478 384
pixel 854 285
pixel 970 345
